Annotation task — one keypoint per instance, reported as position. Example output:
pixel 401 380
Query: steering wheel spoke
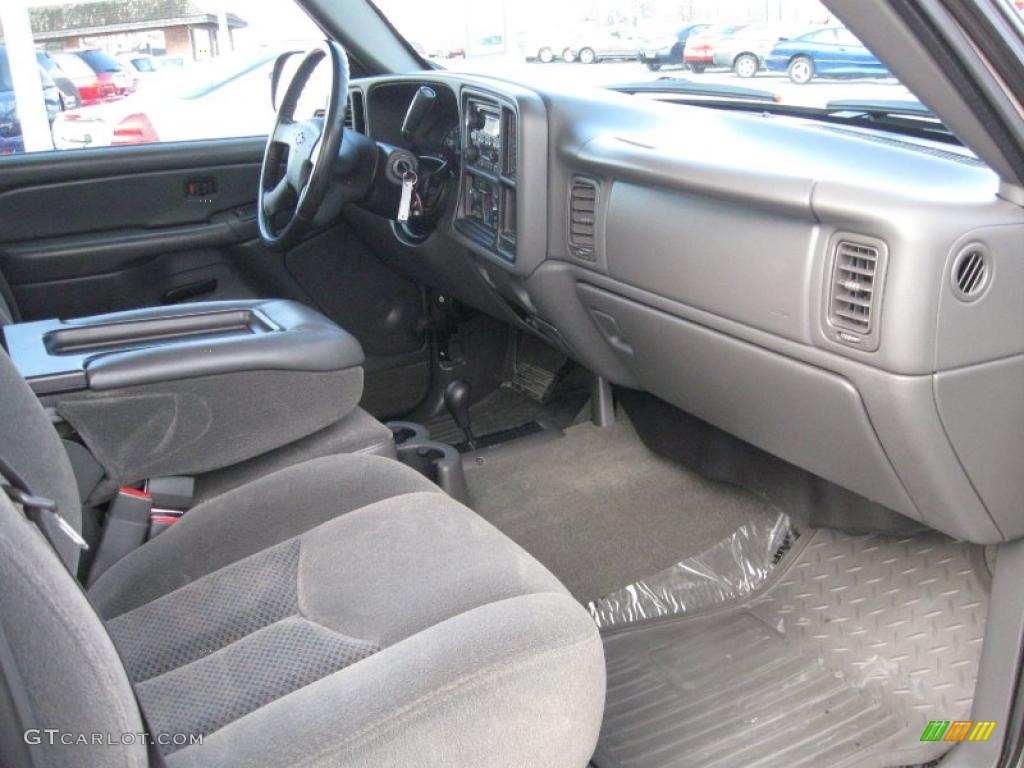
pixel 278 198
pixel 305 150
pixel 285 133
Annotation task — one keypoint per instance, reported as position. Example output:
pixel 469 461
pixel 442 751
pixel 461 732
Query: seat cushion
pixel 250 518
pixel 353 615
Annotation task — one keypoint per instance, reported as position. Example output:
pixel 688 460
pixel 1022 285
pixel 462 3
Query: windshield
pixel 795 52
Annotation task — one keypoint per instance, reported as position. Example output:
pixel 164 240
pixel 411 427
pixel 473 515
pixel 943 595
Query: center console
pixel 187 389
pixel 490 158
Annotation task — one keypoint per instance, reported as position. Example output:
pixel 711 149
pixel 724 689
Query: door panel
pixel 93 231
pixel 110 229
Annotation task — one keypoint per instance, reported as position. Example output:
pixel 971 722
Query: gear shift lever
pixel 456 400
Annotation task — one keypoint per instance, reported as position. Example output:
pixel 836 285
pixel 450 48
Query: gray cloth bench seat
pixel 339 612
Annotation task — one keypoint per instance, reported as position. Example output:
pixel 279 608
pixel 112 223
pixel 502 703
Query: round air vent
pixel 972 272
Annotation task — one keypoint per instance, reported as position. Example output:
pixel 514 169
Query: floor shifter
pixel 456 400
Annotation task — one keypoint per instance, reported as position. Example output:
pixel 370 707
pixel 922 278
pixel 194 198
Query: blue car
pixel 826 52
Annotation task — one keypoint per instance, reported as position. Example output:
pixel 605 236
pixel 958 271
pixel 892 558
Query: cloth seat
pixel 340 612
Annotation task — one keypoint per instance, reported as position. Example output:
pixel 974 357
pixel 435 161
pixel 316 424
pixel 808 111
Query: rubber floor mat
pixel 506 409
pixel 853 645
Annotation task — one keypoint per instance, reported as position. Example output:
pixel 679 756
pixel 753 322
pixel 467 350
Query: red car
pixel 699 53
pixel 97 75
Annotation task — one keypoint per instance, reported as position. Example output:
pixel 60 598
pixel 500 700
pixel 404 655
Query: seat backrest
pixel 53 648
pixel 8 306
pixel 29 444
pixel 63 661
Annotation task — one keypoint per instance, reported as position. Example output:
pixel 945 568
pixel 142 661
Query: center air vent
pixel 855 291
pixel 582 217
pixel 354 118
pixel 971 272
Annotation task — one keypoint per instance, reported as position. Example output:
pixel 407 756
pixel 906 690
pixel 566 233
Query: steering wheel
pixel 308 150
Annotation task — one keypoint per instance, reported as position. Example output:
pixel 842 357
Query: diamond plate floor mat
pixel 841 659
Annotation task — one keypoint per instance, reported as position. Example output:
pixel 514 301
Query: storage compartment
pixel 109 337
pixel 805 415
pixel 189 389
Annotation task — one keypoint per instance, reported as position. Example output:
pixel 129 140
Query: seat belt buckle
pixel 125 530
pixel 162 519
pixel 172 497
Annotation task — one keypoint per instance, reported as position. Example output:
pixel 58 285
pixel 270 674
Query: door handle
pixel 189 291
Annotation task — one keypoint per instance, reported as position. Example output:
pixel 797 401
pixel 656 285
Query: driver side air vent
pixel 855 291
pixel 582 217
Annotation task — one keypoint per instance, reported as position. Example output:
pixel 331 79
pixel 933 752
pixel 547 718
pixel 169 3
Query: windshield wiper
pixel 907 116
pixel 884 107
pixel 679 86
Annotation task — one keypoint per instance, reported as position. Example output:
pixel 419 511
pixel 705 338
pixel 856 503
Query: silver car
pixel 603 45
pixel 745 49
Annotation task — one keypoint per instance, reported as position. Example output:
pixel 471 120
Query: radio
pixel 483 145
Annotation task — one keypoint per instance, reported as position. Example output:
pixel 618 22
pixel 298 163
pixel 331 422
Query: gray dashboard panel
pixel 982 409
pixel 805 415
pixel 992 326
pixel 710 275
pixel 736 260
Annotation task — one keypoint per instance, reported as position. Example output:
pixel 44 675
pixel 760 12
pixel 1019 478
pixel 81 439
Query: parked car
pixel 667 50
pixel 98 77
pixel 744 50
pixel 544 51
pixel 70 98
pixel 140 64
pixel 602 45
pixel 10 126
pixel 828 52
pixel 699 51
pixel 223 97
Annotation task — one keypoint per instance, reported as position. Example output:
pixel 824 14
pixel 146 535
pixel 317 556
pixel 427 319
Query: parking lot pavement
pixel 816 93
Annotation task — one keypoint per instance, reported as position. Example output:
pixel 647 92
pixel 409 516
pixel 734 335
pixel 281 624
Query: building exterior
pixel 178 28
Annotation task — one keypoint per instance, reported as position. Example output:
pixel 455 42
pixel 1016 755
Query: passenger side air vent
pixel 855 291
pixel 971 272
pixel 583 198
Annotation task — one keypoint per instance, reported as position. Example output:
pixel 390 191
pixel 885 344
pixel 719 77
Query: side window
pixel 824 37
pixel 846 37
pixel 116 72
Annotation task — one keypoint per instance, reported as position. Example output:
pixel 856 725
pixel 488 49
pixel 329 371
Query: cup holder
pixel 440 463
pixel 408 432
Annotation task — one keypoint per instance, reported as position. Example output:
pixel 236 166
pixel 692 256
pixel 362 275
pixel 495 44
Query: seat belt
pixel 42 512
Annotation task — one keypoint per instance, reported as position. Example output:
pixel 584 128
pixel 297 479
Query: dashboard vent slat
pixel 971 272
pixel 855 291
pixel 354 116
pixel 583 194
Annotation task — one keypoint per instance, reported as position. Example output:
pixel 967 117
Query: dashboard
pixel 811 288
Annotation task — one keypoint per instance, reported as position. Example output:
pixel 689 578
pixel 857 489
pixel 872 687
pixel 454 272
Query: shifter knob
pixel 456 400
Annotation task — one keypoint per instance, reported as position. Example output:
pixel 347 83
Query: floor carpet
pixel 601 510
